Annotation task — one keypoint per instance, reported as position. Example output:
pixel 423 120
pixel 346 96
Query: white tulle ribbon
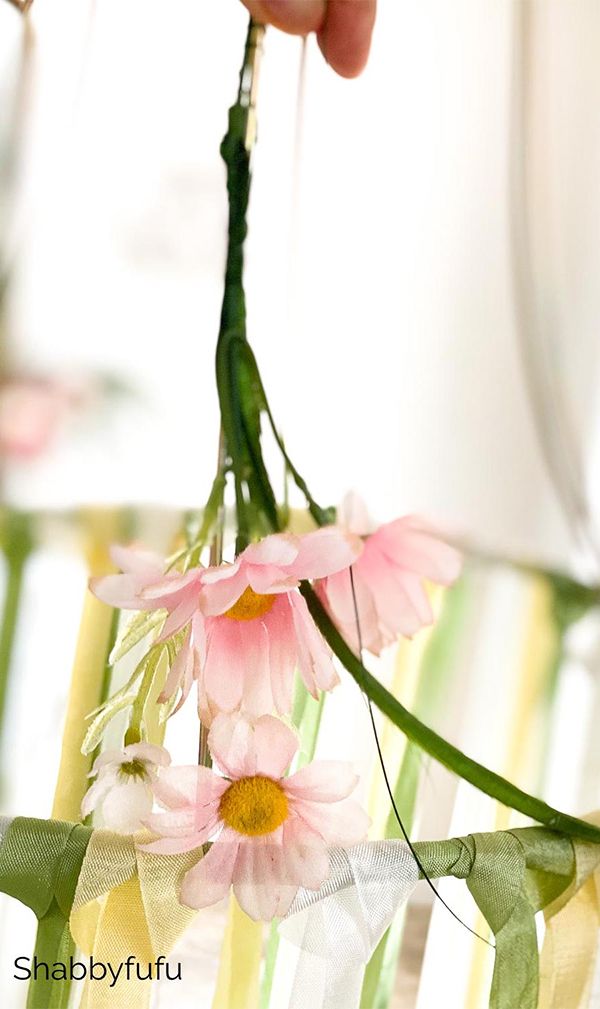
pixel 5 822
pixel 339 926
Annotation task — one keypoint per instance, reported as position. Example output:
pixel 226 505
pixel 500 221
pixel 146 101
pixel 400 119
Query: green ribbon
pixel 40 862
pixel 511 875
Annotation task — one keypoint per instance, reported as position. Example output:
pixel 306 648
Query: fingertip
pixel 296 17
pixel 345 37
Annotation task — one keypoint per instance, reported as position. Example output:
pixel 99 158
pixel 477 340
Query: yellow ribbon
pixel 570 950
pixel 88 670
pixel 239 966
pixel 127 905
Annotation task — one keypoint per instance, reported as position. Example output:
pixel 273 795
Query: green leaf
pixel 97 729
pixel 137 629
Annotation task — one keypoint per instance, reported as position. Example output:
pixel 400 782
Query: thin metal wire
pixel 390 791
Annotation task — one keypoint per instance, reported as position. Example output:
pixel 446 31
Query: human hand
pixel 343 27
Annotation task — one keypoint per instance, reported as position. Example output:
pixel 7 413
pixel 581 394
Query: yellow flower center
pixel 254 806
pixel 250 605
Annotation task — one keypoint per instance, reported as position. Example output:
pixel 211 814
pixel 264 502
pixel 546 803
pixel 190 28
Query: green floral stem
pixel 242 399
pixel 436 746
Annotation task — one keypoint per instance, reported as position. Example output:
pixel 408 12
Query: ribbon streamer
pixel 339 926
pixel 118 901
pixel 40 862
pixel 511 875
pixel 569 956
pixel 127 904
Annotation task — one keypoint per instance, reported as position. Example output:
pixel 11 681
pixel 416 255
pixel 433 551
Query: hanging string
pixel 390 791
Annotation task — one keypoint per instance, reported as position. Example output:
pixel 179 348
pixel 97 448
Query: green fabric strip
pixel 40 862
pixel 511 875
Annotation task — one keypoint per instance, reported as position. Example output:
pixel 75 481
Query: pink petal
pixel 282 653
pixel 257 880
pixel 209 880
pixel 120 591
pixel 241 748
pixel 173 583
pixel 339 823
pixel 353 515
pixel 413 548
pixel 198 629
pixel 414 589
pixel 178 822
pixel 268 579
pixel 144 565
pixel 306 855
pixel 339 598
pixel 221 572
pixel 314 656
pixel 207 710
pixel 257 698
pixel 230 743
pixel 180 616
pixel 326 551
pixel 396 613
pixel 279 550
pixel 218 596
pixel 322 781
pixel 177 672
pixel 187 827
pixel 225 666
pixel 191 785
pixel 191 673
pixel 275 744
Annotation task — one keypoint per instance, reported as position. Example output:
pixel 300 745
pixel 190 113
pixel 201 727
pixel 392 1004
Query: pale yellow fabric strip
pixel 570 950
pixel 127 904
pixel 239 966
pixel 522 762
pixel 88 672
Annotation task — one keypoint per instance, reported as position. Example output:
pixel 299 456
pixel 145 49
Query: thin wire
pixel 390 790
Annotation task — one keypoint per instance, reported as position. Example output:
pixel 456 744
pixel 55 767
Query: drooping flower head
pixel 123 786
pixel 388 578
pixel 257 625
pixel 270 833
pixel 245 625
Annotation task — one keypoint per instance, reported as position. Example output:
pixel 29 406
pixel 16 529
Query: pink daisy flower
pixel 388 578
pixel 270 834
pixel 257 626
pixel 246 625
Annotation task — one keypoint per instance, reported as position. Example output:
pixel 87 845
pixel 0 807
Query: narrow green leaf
pixel 136 629
pixel 98 727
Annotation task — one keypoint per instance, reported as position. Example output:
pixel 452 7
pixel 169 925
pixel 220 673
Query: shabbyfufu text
pixel 89 969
